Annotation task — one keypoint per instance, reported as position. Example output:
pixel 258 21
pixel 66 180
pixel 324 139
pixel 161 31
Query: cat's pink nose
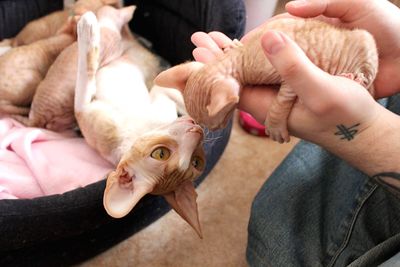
pixel 187 119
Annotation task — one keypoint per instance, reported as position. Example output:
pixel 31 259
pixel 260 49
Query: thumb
pixel 294 67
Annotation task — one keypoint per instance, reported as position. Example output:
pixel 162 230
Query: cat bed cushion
pixel 64 229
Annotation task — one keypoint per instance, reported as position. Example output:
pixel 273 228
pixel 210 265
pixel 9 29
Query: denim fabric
pixel 316 210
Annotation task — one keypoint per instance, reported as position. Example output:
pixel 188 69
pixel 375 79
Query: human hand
pixel 327 105
pixel 380 18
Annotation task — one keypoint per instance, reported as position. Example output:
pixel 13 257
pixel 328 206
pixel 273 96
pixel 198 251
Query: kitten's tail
pixel 88 60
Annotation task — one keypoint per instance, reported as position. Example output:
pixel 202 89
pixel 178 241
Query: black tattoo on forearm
pixel 347 133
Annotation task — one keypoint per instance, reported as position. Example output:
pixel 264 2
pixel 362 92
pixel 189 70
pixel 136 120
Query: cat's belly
pixel 122 85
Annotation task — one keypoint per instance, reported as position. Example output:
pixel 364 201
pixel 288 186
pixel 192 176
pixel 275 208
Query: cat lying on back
pixel 211 91
pixel 153 150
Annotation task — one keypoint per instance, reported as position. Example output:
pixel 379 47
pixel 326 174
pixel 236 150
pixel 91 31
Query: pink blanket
pixel 35 162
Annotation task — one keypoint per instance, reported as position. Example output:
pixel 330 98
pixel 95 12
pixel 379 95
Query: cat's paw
pixel 88 32
pixel 235 43
pixel 358 77
pixel 278 133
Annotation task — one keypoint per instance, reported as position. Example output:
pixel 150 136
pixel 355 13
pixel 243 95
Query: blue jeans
pixel 316 210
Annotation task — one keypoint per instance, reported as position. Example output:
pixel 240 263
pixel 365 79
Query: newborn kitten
pixel 54 22
pixel 23 68
pixel 153 151
pixel 211 91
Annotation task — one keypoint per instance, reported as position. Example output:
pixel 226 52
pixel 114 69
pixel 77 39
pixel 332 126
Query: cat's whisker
pixel 205 130
pixel 211 139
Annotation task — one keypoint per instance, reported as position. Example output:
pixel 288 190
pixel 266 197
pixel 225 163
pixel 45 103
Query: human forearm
pixel 372 148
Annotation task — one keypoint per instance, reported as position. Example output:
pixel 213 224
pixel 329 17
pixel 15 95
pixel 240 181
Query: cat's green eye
pixel 198 163
pixel 161 153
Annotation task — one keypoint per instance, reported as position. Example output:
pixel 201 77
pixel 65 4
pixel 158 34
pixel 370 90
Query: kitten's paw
pixel 235 43
pixel 358 77
pixel 278 133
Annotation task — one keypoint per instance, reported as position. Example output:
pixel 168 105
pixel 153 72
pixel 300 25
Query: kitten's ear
pixel 183 201
pixel 177 76
pixel 224 97
pixel 127 13
pixel 120 198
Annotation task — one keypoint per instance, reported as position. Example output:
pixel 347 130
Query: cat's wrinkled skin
pixel 153 151
pixel 49 102
pixel 23 68
pixel 211 91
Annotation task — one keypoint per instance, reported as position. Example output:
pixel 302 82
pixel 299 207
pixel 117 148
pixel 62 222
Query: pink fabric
pixel 35 162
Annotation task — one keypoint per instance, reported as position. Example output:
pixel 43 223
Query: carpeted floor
pixel 224 205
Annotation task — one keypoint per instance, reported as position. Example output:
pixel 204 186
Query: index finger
pixel 203 40
pixel 345 10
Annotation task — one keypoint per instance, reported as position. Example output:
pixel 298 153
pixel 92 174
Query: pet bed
pixel 68 228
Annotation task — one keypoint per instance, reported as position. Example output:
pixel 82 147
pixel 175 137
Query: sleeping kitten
pixel 55 22
pixel 23 68
pixel 211 91
pixel 153 150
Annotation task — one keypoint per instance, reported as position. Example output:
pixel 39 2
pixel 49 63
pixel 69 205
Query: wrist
pixel 370 147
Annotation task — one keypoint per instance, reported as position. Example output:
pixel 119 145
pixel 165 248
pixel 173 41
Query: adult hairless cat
pixel 154 151
pixel 211 91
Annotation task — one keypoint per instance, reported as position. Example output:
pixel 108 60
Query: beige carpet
pixel 224 205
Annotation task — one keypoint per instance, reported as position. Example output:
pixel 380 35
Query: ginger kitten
pixel 23 68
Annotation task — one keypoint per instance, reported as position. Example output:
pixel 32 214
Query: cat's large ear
pixel 183 201
pixel 127 13
pixel 121 197
pixel 224 98
pixel 177 76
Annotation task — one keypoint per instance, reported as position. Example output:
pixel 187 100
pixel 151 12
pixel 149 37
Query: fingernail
pixel 297 3
pixel 273 42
